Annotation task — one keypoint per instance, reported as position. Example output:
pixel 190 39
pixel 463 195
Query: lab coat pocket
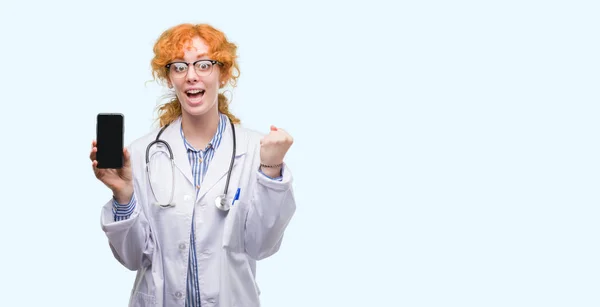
pixel 233 232
pixel 141 299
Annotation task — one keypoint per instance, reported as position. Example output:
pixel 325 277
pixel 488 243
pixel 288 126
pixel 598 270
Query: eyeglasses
pixel 203 68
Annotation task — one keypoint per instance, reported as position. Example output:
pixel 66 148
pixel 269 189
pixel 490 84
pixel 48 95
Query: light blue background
pixel 446 153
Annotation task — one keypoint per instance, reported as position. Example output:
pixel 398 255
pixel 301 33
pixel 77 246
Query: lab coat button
pixel 182 246
pixel 178 294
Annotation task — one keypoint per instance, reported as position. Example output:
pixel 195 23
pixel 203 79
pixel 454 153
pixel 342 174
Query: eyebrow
pixel 198 57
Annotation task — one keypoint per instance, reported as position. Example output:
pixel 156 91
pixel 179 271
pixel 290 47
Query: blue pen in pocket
pixel 236 197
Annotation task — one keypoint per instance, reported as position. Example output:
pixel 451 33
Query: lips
pixel 195 93
pixel 194 96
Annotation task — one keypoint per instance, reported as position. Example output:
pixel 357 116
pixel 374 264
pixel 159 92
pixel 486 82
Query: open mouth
pixel 194 94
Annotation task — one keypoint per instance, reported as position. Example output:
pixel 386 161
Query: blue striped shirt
pixel 199 161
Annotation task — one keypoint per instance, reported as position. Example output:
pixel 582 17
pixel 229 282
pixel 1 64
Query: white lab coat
pixel 154 241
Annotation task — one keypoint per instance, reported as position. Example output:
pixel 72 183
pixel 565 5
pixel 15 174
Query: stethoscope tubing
pixel 220 201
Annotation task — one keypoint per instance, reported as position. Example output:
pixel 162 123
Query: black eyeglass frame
pixel 213 62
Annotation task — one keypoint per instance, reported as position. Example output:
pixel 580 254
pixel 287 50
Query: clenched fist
pixel 273 148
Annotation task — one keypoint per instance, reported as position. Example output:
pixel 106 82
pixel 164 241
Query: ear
pixel 223 78
pixel 167 79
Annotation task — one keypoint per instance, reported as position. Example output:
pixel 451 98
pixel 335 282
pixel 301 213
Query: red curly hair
pixel 169 46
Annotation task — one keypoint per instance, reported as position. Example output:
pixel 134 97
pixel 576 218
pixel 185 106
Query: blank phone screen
pixel 109 138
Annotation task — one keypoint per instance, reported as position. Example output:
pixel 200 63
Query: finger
pixel 93 153
pixel 127 157
pixel 282 135
pixel 273 128
pixel 94 143
pixel 282 130
pixel 95 169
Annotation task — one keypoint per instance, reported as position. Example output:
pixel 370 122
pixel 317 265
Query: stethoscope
pixel 220 202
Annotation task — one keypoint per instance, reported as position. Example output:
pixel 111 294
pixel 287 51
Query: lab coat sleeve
pixel 270 210
pixel 130 239
pixel 128 230
pixel 276 178
pixel 123 211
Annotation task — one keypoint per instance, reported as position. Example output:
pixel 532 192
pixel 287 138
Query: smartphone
pixel 109 140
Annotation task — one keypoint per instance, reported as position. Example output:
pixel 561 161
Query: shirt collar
pixel 214 142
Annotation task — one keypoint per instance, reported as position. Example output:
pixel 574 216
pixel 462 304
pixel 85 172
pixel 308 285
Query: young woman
pixel 194 225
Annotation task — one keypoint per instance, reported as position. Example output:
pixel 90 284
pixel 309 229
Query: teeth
pixel 195 91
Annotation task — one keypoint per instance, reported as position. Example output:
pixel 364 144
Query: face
pixel 197 85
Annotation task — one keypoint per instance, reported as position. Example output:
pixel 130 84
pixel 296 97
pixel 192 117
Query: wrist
pixel 271 164
pixel 271 171
pixel 123 195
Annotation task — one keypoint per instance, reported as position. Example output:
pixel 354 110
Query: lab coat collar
pixel 219 166
pixel 173 137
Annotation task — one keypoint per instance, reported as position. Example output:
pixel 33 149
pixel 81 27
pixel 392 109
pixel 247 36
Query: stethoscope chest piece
pixel 221 203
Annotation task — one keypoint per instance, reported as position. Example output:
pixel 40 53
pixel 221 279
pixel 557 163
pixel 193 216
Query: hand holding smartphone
pixel 109 140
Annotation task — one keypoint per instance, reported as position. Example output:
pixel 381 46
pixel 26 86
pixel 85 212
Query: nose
pixel 191 75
